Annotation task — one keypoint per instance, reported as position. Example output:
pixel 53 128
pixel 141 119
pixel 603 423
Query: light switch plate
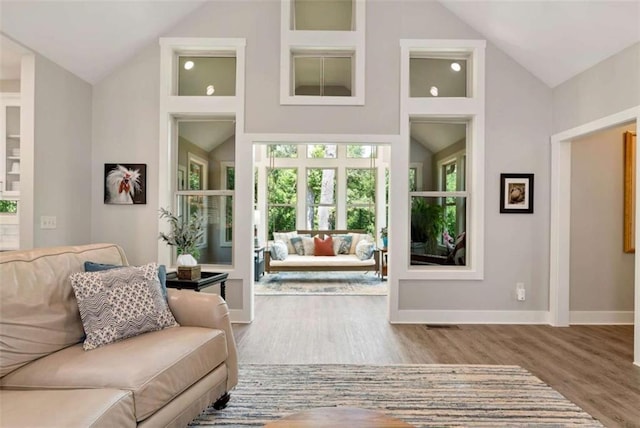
pixel 48 222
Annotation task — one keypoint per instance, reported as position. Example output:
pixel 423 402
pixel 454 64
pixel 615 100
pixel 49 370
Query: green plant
pixel 427 222
pixel 184 235
pixel 10 207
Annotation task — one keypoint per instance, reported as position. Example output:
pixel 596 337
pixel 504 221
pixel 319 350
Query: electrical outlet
pixel 520 293
pixel 48 222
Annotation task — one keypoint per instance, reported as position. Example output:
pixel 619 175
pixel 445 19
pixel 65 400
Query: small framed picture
pixel 125 183
pixel 516 193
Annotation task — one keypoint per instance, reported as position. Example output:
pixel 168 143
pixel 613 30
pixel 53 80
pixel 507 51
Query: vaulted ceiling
pixel 554 40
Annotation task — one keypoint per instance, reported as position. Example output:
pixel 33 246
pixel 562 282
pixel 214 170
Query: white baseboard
pixel 601 317
pixel 469 317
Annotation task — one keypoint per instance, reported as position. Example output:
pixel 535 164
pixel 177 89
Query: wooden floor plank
pixel 590 365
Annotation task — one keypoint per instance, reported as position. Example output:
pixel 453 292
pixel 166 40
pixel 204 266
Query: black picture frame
pixel 516 193
pixel 125 183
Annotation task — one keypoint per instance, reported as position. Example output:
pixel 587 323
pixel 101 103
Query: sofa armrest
pixel 193 309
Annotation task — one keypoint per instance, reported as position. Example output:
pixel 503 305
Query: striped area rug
pixel 422 395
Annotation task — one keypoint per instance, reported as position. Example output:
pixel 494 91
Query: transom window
pixel 438 77
pixel 327 75
pixel 322 15
pixel 206 76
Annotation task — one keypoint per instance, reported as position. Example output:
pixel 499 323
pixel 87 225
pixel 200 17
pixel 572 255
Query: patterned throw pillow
pixel 120 303
pixel 342 244
pixel 296 241
pixel 309 247
pixel 279 250
pixel 286 238
pixel 323 247
pixel 364 250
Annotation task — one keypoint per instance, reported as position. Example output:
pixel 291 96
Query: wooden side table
pixel 338 417
pixel 383 254
pixel 258 263
pixel 207 280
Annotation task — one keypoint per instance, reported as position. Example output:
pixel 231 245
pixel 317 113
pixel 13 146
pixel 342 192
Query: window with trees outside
pixel 282 196
pixel 321 199
pixel 361 192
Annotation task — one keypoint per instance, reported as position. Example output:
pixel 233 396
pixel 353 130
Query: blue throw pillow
pixel 97 267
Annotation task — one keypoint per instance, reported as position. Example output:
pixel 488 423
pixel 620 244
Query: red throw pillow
pixel 323 247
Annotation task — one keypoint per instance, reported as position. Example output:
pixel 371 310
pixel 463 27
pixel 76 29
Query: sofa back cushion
pixel 38 311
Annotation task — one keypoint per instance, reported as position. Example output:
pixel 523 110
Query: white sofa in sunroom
pixel 366 259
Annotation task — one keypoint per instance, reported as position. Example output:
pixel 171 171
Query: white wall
pixel 125 129
pixel 62 178
pixel 609 87
pixel 518 111
pixel 601 272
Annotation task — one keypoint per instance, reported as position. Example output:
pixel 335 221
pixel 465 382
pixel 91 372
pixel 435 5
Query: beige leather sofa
pixel 162 378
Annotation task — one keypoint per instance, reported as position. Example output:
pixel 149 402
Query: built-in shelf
pixel 10 146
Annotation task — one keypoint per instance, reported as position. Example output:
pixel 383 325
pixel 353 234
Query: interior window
pixel 438 196
pixel 206 76
pixel 323 76
pixel 204 164
pixel 322 15
pixel 438 77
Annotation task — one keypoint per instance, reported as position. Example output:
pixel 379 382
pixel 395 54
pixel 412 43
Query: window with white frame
pixel 316 67
pixel 361 199
pixel 321 198
pixel 201 85
pixel 323 74
pixel 442 111
pixel 438 213
pixel 282 197
pixel 322 15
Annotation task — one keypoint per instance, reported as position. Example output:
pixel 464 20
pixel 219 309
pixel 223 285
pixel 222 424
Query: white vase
pixel 186 260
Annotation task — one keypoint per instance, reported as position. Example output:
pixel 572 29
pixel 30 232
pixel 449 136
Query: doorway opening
pixel 309 192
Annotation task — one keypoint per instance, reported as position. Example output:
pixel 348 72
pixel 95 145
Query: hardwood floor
pixel 590 365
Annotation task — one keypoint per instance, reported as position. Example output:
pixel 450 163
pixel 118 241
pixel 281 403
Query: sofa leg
pixel 221 403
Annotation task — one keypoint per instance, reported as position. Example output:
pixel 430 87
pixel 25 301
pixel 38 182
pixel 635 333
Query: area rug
pixel 321 283
pixel 422 395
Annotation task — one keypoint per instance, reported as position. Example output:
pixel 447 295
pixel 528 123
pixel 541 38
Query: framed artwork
pixel 629 192
pixel 125 183
pixel 516 193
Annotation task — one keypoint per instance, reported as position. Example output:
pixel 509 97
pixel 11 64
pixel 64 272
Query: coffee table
pixel 338 417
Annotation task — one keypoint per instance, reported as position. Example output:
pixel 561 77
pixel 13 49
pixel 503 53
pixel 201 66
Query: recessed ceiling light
pixel 188 65
pixel 455 66
pixel 210 90
pixel 434 91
